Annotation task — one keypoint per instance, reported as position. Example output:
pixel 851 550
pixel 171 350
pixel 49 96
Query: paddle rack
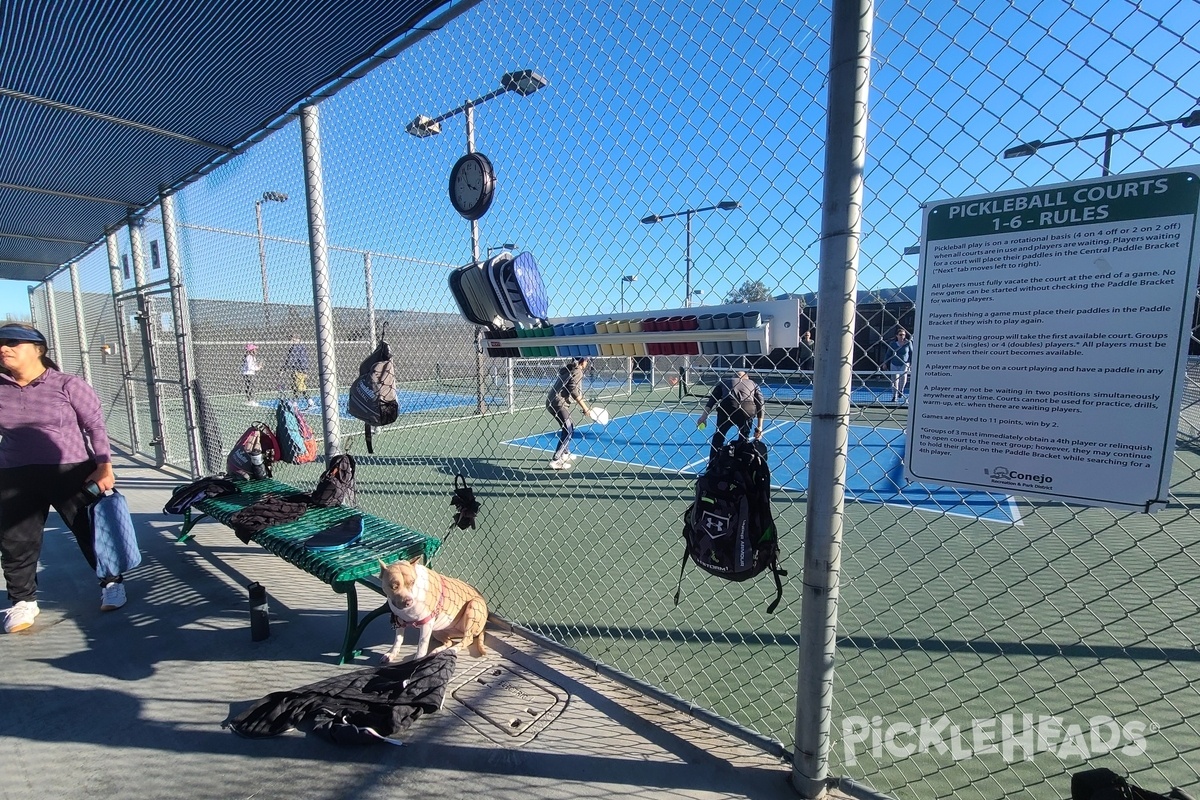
pixel 734 329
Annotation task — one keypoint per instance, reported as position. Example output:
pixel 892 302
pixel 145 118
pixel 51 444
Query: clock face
pixel 472 185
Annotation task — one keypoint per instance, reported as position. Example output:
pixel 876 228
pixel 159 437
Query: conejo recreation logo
pixel 1012 477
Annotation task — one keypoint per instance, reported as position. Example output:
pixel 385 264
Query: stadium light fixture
pixel 506 246
pixel 1109 135
pixel 687 213
pixel 523 82
pixel 267 197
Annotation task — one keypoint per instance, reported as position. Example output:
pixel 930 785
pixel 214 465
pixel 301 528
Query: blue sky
pixel 676 107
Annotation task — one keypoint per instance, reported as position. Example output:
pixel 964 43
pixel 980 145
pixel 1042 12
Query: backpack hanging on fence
pixel 373 393
pixel 256 450
pixel 297 444
pixel 728 530
pixel 336 486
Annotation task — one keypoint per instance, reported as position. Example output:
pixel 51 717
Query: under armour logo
pixel 715 525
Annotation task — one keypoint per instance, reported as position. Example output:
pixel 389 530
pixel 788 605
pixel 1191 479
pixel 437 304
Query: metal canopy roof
pixel 104 102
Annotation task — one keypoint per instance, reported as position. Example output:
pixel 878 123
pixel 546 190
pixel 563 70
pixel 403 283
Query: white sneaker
pixel 112 596
pixel 559 463
pixel 570 457
pixel 20 616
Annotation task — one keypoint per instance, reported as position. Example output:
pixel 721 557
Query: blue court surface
pixel 670 441
pixel 410 402
pixel 802 392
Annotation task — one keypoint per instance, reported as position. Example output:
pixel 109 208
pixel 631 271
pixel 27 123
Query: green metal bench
pixel 343 570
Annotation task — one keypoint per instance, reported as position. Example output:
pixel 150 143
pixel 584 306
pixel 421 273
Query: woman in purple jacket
pixel 54 445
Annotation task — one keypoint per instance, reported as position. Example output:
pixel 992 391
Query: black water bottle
pixel 260 623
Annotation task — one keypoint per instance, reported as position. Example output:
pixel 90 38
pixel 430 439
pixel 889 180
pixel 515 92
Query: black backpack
pixel 373 393
pixel 187 496
pixel 728 530
pixel 1104 784
pixel 336 486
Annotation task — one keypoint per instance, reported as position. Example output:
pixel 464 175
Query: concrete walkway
pixel 129 704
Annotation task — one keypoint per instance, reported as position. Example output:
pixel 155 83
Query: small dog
pixel 438 605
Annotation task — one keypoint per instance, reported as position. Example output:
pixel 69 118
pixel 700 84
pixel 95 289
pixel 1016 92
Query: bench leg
pixel 189 522
pixel 351 638
pixel 355 626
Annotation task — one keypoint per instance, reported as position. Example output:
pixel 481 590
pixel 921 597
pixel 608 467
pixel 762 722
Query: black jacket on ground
pixel 355 708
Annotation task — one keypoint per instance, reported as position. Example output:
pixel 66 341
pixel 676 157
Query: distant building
pixel 879 313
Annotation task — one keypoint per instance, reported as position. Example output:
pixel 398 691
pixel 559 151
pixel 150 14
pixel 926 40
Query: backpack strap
pixel 777 572
pixel 367 436
pixel 687 547
pixel 682 566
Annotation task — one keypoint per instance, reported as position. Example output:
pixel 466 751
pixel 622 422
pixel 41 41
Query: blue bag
pixel 116 542
pixel 297 443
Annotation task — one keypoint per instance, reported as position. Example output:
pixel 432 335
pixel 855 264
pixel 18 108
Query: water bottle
pixel 256 464
pixel 260 623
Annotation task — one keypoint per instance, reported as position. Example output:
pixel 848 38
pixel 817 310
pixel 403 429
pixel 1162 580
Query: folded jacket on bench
pixel 270 511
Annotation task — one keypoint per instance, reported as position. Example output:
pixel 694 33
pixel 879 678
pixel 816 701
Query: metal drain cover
pixel 511 699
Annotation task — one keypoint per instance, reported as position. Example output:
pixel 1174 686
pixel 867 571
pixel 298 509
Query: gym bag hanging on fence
pixel 728 531
pixel 373 393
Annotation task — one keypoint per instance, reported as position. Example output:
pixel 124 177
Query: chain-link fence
pixel 987 646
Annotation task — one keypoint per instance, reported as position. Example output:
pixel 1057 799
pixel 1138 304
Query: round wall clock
pixel 472 185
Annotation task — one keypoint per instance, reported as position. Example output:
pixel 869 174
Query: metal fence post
pixel 114 273
pixel 52 314
pixel 183 329
pixel 314 184
pixel 80 324
pixel 149 354
pixel 370 284
pixel 845 153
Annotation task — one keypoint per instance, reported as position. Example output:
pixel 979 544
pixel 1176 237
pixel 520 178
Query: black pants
pixel 726 419
pixel 26 495
pixel 562 415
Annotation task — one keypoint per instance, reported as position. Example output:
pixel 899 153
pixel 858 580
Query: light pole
pixel 699 295
pixel 624 280
pixel 524 82
pixel 1109 135
pixel 724 205
pixel 506 246
pixel 267 197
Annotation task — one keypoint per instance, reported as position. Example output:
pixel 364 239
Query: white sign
pixel 1052 335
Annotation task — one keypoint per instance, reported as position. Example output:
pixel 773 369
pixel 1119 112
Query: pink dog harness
pixel 398 623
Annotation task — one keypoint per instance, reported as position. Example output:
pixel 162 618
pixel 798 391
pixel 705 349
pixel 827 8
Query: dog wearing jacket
pixel 441 607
